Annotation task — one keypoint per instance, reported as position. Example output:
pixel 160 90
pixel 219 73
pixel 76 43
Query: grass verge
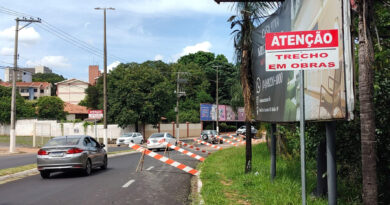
pixel 14 170
pixel 26 141
pixel 224 180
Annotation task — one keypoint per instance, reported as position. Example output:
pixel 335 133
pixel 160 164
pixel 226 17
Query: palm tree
pixel 248 14
pixel 366 96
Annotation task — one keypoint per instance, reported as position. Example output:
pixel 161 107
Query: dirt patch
pixel 19 150
pixel 226 183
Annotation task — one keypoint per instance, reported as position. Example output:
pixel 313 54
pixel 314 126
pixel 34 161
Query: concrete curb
pixel 199 186
pixel 31 172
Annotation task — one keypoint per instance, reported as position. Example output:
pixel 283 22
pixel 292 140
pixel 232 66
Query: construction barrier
pixel 225 140
pixel 193 147
pixel 235 138
pixel 164 159
pixel 200 158
pixel 208 144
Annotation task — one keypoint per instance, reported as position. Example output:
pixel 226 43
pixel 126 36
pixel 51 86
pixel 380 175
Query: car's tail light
pixel 42 152
pixel 74 151
pixel 162 140
pixel 148 142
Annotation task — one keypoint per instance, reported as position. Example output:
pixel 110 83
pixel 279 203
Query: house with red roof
pixel 31 90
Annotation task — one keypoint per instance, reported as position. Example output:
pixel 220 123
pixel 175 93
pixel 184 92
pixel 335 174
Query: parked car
pixel 242 130
pixel 65 153
pixel 209 136
pixel 133 137
pixel 156 140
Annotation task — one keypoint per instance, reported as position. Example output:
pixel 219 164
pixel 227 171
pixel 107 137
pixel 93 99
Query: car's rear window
pixel 157 135
pixel 128 135
pixel 63 141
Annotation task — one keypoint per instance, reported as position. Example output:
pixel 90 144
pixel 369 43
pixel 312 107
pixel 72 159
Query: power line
pixel 63 35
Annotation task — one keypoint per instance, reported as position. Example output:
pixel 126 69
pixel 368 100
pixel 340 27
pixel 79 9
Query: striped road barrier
pixel 225 140
pixel 200 158
pixel 192 147
pixel 208 144
pixel 164 159
pixel 237 139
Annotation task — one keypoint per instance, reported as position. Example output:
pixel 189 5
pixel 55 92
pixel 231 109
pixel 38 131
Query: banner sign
pixel 303 50
pixel 226 113
pixel 95 114
pixel 303 35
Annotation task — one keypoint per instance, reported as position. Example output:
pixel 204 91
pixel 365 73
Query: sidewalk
pixel 4 151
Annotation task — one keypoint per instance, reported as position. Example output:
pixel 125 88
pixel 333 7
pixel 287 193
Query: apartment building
pixel 24 74
pixel 71 91
pixel 31 90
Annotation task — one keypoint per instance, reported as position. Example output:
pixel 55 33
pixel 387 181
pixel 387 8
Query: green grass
pixel 26 141
pixel 224 180
pixel 14 170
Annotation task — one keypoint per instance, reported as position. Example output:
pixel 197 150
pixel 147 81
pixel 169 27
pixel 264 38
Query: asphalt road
pixel 158 183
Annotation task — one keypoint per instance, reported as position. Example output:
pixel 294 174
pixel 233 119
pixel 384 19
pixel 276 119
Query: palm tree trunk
pixel 367 115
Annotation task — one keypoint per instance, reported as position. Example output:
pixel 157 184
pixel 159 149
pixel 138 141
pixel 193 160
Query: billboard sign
pixel 314 38
pixel 226 113
pixel 302 50
pixel 95 114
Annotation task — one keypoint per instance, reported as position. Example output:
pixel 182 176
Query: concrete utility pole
pixel 177 107
pixel 105 80
pixel 12 141
pixel 216 97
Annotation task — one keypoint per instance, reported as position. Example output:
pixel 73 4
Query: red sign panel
pixel 95 114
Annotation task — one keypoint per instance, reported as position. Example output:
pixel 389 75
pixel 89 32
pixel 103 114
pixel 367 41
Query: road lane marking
pixel 150 168
pixel 128 183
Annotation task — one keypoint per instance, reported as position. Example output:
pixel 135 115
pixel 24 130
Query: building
pixel 25 74
pixel 71 91
pixel 31 90
pixel 75 111
pixel 94 74
pixel 22 75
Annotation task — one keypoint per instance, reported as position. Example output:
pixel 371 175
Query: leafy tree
pixel 23 108
pixel 51 107
pixel 48 77
pixel 201 58
pixel 92 98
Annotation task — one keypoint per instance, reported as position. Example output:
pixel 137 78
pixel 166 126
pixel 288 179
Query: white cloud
pixel 176 6
pixel 26 35
pixel 204 46
pixel 158 57
pixel 113 65
pixel 5 51
pixel 51 62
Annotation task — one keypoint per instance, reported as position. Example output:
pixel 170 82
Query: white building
pixel 72 90
pixel 23 75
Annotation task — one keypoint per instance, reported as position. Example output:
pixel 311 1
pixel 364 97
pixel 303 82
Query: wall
pixel 30 127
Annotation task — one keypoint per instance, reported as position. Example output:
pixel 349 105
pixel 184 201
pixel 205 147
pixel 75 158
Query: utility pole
pixel 105 80
pixel 12 142
pixel 177 107
pixel 216 96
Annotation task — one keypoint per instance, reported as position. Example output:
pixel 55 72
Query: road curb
pixel 31 172
pixel 199 187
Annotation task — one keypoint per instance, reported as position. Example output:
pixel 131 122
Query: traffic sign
pixel 95 114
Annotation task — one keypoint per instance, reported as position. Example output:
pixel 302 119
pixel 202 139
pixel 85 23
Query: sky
pixel 137 31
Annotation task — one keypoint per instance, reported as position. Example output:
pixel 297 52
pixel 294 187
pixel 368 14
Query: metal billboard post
pixel 302 137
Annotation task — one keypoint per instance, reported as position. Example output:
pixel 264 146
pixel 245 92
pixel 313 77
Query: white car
pixel 156 141
pixel 133 137
pixel 242 130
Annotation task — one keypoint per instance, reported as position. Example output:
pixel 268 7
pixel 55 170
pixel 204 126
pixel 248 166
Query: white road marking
pixel 150 168
pixel 128 183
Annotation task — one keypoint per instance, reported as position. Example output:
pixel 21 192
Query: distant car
pixel 65 153
pixel 242 130
pixel 133 137
pixel 209 136
pixel 156 141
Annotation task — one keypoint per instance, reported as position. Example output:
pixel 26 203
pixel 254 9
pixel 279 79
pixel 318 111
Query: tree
pixel 23 108
pixel 48 77
pixel 92 98
pixel 247 14
pixel 50 107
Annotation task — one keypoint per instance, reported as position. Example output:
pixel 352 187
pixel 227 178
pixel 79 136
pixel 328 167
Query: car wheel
pixel 105 162
pixel 118 145
pixel 142 141
pixel 205 137
pixel 88 168
pixel 45 174
pixel 220 141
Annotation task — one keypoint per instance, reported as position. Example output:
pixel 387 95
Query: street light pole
pixel 12 140
pixel 105 80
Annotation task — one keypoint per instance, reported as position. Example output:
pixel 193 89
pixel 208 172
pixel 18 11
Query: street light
pixel 105 80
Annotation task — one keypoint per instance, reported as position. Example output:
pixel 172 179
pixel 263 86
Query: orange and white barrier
pixel 235 138
pixel 193 147
pixel 225 140
pixel 200 158
pixel 208 144
pixel 164 159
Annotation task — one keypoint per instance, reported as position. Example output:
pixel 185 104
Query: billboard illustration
pixel 276 80
pixel 226 113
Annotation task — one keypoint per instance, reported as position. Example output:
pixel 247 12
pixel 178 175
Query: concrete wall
pixel 46 128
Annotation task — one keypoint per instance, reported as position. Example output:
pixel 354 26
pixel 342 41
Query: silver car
pixel 79 152
pixel 133 137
